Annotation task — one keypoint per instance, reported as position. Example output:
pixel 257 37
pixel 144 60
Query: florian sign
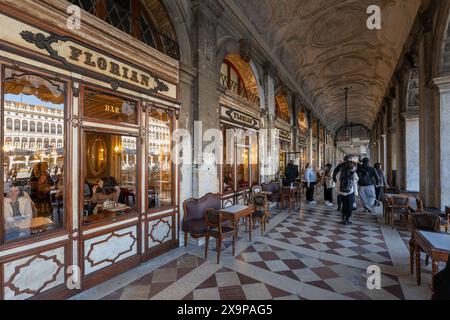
pixel 239 118
pixel 83 59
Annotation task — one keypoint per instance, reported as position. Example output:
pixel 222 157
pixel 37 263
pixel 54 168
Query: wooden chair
pixel 260 211
pixel 287 194
pixel 215 228
pixel 194 223
pixel 256 189
pixel 422 221
pixel 398 206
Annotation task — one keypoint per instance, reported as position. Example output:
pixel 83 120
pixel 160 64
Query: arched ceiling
pixel 327 45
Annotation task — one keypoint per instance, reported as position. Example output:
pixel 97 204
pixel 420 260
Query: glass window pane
pixel 228 161
pixel 242 160
pixel 253 138
pixel 159 159
pixel 108 107
pixel 33 176
pixel 110 182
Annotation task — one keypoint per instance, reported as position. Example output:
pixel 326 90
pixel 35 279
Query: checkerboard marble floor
pixel 305 254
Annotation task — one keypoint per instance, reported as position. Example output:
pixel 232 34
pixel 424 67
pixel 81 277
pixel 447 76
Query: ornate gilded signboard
pixel 78 57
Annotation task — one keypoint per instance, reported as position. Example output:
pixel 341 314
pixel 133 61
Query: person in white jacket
pixel 17 206
pixel 348 189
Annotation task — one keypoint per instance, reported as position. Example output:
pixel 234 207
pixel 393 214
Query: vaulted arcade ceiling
pixel 327 46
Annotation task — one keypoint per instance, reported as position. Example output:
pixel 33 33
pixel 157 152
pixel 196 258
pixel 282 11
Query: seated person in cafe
pixel 106 189
pixel 40 186
pixel 17 207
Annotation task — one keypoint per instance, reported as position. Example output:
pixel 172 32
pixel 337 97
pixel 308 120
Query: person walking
pixel 335 173
pixel 368 178
pixel 310 181
pixel 348 189
pixel 379 187
pixel 328 185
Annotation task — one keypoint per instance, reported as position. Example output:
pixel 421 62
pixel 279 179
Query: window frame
pixel 146 185
pixel 120 128
pixel 65 85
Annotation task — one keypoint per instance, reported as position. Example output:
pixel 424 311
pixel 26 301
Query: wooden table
pixel 436 245
pixel 37 224
pixel 107 213
pixel 234 213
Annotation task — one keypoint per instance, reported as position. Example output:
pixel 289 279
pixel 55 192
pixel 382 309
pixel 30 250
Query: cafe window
pixel 110 176
pixel 107 107
pixel 241 153
pixel 160 174
pixel 33 199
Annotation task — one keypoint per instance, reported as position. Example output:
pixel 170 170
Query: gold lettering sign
pixel 73 54
pixel 112 109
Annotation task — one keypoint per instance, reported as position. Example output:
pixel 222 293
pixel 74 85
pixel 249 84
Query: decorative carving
pixel 75 89
pixel 112 259
pixel 45 43
pixel 142 132
pixel 40 261
pixel 160 230
pixel 115 84
pixel 75 121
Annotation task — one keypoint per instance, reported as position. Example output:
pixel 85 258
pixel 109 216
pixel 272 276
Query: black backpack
pixel 346 181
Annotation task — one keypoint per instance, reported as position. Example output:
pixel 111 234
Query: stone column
pixel 412 163
pixel 273 143
pixel 442 121
pixel 206 110
pixel 428 128
pixel 309 138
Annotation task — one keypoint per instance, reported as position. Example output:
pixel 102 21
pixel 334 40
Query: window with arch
pixel 59 129
pixel 46 143
pixel 17 125
pixel 8 141
pixel 24 125
pixel 24 143
pixel 59 144
pixel 39 143
pixel 17 143
pixel 9 124
pixel 150 25
pixel 53 128
pixel 32 144
pixel 39 127
pixel 46 128
pixel 232 79
pixel 32 126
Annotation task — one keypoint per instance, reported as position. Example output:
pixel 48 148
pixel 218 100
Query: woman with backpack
pixel 348 188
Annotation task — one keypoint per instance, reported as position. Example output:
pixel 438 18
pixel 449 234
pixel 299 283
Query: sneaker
pixel 313 202
pixel 329 204
pixel 349 222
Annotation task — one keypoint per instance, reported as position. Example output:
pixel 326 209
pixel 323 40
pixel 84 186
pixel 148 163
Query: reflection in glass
pixel 242 159
pixel 159 159
pixel 33 174
pixel 228 154
pixel 110 176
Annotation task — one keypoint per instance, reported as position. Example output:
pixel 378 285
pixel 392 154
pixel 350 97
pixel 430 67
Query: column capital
pixel 442 83
pixel 410 115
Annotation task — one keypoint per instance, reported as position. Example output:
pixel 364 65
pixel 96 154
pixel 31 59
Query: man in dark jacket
pixel 335 173
pixel 291 172
pixel 368 178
